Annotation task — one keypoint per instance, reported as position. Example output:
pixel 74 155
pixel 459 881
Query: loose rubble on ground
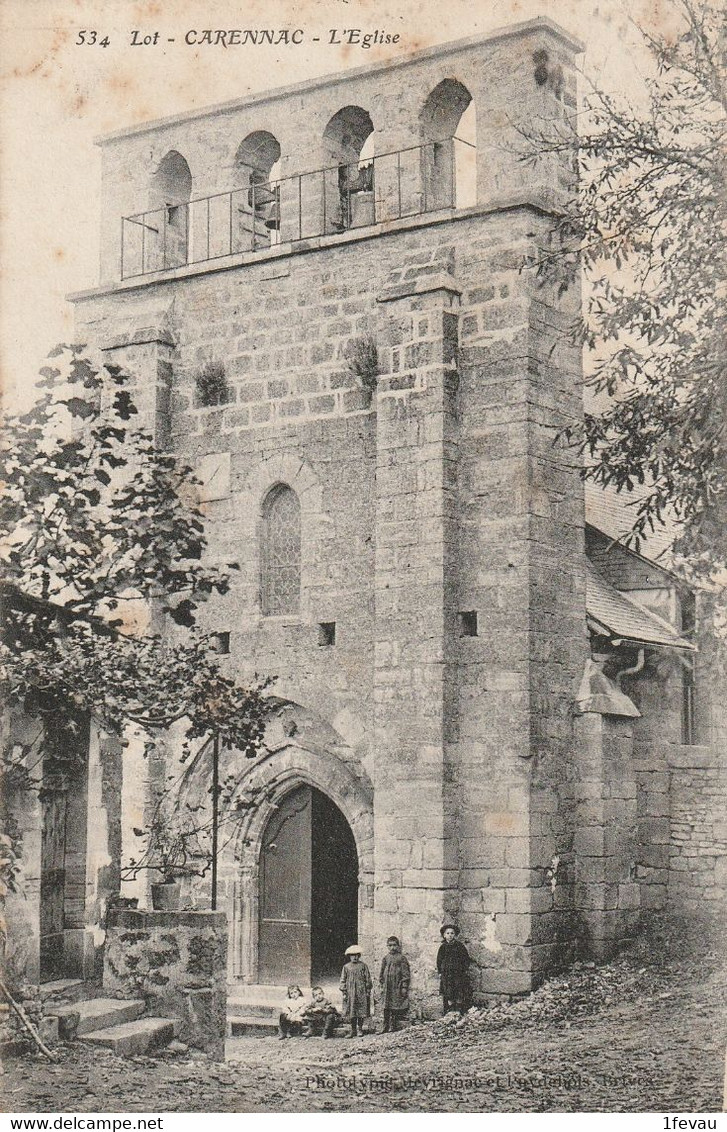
pixel 644 1032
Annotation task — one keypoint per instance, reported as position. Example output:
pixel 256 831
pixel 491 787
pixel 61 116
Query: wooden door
pixel 54 800
pixel 284 941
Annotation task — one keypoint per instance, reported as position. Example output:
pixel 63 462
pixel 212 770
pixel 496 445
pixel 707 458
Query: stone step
pixel 59 986
pixel 251 1025
pixel 130 1039
pixel 259 1009
pixel 273 997
pixel 257 992
pixel 95 1014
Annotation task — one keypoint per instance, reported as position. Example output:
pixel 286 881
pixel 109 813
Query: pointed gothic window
pixel 280 559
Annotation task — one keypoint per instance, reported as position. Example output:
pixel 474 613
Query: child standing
pixel 453 962
pixel 356 990
pixel 290 1020
pixel 394 980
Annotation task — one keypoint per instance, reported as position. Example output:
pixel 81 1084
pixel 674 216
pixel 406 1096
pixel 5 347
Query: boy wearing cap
pixel 394 979
pixel 453 962
pixel 356 990
pixel 320 1015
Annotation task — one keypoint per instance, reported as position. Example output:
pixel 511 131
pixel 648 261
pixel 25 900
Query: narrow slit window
pixel 467 623
pixel 327 634
pixel 222 643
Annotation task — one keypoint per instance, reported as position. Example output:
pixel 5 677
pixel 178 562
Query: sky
pixel 57 94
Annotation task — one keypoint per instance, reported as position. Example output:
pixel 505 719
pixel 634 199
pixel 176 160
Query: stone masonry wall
pixel 679 849
pixel 299 415
pixel 697 884
pixel 521 566
pixel 681 852
pixel 607 893
pixel 88 859
pixel 176 961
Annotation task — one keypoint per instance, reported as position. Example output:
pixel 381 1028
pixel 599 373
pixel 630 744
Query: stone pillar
pixel 606 896
pixel 415 851
pixel 145 352
pixel 134 814
pixel 522 571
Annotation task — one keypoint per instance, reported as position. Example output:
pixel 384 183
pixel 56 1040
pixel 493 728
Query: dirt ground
pixel 646 1032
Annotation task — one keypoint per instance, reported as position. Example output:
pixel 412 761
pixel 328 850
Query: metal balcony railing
pixel 389 186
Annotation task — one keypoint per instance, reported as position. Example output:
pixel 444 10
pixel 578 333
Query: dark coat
pixel 356 990
pixel 394 980
pixel 453 965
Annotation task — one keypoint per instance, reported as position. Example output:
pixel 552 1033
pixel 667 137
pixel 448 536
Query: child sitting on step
pixel 320 1016
pixel 290 1021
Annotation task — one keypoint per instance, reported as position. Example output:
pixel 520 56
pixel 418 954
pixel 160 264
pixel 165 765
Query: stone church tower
pixel 321 292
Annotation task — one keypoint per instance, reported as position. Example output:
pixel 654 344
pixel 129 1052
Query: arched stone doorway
pixel 308 880
pixel 303 761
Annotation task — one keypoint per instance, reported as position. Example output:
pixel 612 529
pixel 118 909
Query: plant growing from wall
pixel 172 845
pixel 211 385
pixel 177 840
pixel 362 358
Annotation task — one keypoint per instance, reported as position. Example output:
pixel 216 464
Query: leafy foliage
pixel 646 226
pixel 98 524
pixel 93 514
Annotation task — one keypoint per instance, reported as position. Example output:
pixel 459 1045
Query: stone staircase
pixel 252 1011
pixel 114 1023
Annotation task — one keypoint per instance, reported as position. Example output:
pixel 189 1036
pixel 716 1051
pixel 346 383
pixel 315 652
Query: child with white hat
pixel 356 990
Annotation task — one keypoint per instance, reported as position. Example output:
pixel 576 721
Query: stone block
pixel 505 982
pixel 589 841
pixel 514 929
pixel 654 830
pixel 629 896
pixel 505 823
pixel 176 961
pixel 653 897
pixel 48 1028
pixel 133 1039
pixel 519 900
pixel 385 899
pixel 654 856
pixel 413 900
pixel 95 1014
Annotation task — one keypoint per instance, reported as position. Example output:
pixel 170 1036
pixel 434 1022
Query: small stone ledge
pixel 422 285
pixel 534 201
pixel 142 920
pixel 694 758
pixel 142 336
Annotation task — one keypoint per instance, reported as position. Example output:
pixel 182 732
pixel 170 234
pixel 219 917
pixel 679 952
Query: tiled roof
pixel 624 617
pixel 614 512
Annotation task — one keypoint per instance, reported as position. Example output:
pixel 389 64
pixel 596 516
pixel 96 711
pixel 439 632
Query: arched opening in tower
pixel 449 148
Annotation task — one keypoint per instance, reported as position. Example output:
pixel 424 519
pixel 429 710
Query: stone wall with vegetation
pixel 177 962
